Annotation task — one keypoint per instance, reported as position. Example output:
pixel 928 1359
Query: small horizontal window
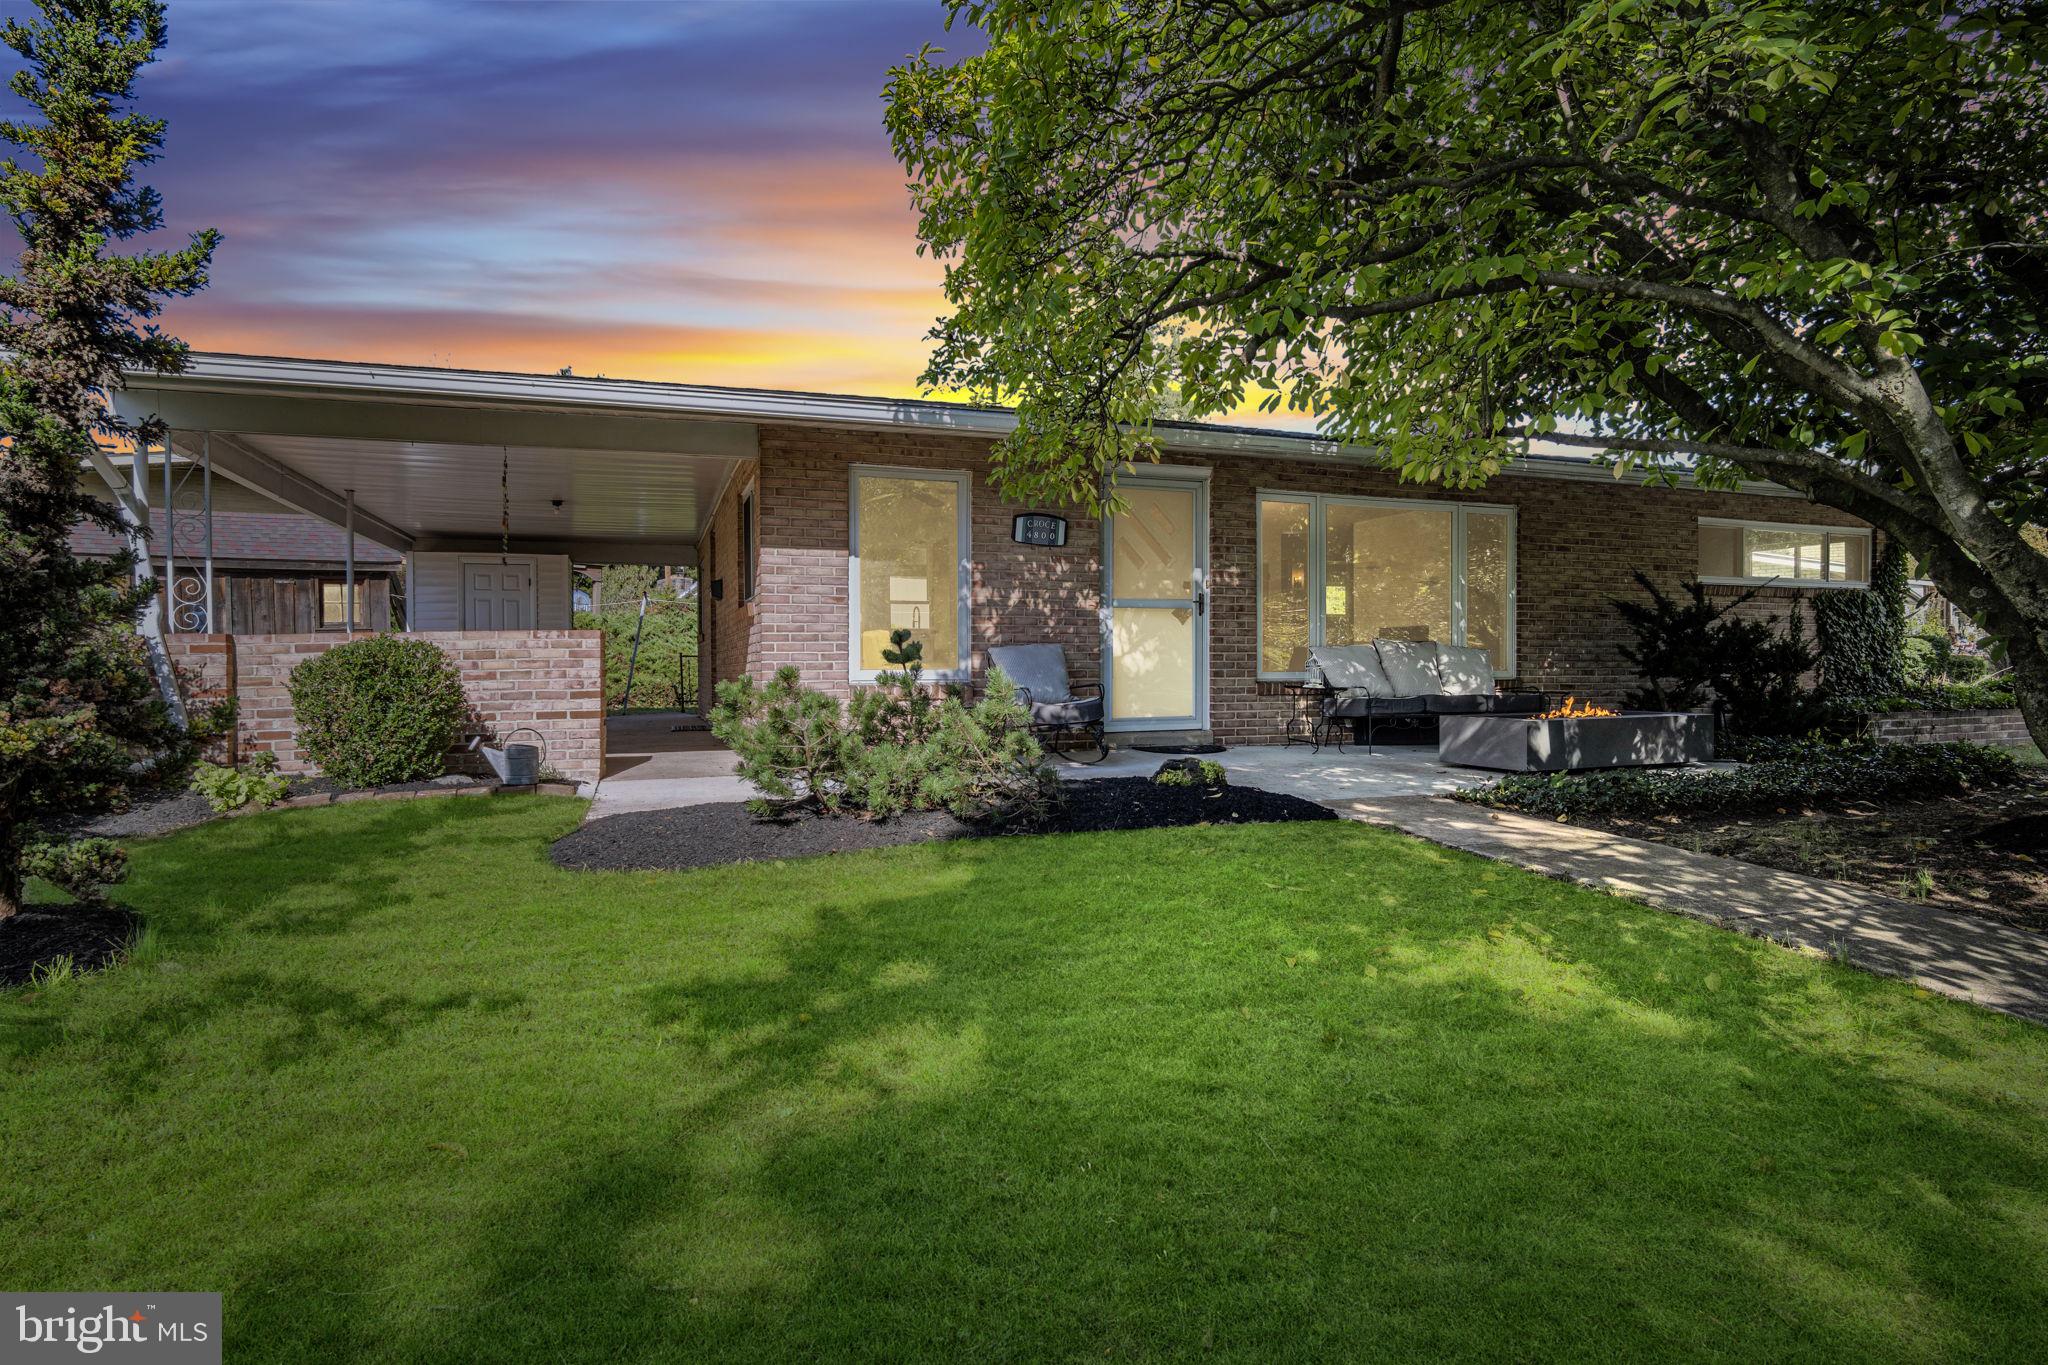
pixel 1764 552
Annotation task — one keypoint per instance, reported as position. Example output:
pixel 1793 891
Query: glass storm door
pixel 1156 628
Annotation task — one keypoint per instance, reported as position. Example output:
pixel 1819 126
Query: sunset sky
pixel 693 192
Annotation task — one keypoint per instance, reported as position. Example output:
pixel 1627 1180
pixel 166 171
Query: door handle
pixel 1201 604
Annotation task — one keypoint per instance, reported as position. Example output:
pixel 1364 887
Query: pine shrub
pixel 892 748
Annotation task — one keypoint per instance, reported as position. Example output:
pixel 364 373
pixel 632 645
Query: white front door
pixel 1156 626
pixel 497 596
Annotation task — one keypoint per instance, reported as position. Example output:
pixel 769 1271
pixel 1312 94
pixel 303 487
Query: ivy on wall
pixel 1862 634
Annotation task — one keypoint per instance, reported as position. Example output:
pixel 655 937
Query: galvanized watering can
pixel 517 765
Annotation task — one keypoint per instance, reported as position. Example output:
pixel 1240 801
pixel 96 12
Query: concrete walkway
pixel 1958 955
pixel 659 759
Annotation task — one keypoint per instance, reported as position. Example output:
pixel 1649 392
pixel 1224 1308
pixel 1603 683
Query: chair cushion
pixel 1411 667
pixel 1467 670
pixel 1040 670
pixel 1350 669
pixel 1072 711
pixel 1515 703
pixel 1350 707
pixel 1448 705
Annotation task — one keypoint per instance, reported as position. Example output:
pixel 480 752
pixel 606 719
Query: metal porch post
pixel 348 562
pixel 206 495
pixel 170 547
pixel 135 512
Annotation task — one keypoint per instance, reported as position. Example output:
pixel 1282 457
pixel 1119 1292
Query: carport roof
pixel 637 463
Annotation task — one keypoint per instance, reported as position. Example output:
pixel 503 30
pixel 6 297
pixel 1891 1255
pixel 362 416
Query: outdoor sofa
pixel 1407 682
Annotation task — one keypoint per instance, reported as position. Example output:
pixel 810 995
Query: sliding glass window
pixel 1344 571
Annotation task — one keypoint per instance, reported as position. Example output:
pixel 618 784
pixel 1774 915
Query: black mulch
pixel 706 836
pixel 162 811
pixel 90 937
pixel 1178 748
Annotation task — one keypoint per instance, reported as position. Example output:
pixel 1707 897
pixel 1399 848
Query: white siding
pixel 434 590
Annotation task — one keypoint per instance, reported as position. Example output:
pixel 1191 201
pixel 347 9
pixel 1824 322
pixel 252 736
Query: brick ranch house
pixel 820 522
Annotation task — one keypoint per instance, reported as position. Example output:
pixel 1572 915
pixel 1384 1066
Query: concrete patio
pixel 650 765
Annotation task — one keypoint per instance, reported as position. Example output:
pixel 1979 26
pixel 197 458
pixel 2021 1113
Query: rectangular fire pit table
pixel 1525 744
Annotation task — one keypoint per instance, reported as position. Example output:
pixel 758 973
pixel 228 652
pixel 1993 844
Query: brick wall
pixel 2006 727
pixel 1022 594
pixel 205 666
pixel 551 680
pixel 732 648
pixel 1576 540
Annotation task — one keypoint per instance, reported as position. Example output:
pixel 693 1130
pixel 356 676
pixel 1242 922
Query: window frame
pixel 1318 559
pixel 964 513
pixel 1827 534
pixel 323 583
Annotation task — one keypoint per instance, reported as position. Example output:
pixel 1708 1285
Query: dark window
pixel 747 546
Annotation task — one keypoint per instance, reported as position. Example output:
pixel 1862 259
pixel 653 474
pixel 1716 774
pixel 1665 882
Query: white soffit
pixel 444 489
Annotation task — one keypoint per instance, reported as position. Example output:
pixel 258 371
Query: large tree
pixel 1801 242
pixel 80 715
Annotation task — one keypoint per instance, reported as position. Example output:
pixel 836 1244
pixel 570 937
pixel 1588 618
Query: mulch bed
pixel 90 937
pixel 1986 852
pixel 710 835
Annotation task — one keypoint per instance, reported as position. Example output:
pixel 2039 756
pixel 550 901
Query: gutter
pixel 282 376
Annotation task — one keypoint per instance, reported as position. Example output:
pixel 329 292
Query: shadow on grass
pixel 1305 1091
pixel 1228 1119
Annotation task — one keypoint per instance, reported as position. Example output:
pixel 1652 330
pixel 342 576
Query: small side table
pixel 1304 726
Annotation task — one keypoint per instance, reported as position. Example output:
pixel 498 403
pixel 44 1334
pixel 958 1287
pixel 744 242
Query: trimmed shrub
pixel 1781 772
pixel 378 710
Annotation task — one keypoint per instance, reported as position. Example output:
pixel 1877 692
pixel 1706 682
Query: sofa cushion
pixel 1515 703
pixel 1448 705
pixel 1410 667
pixel 1040 670
pixel 1073 711
pixel 1350 669
pixel 1467 670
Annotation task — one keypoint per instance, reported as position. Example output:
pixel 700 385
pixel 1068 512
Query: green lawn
pixel 402 1090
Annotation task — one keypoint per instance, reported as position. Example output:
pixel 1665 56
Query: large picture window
pixel 909 568
pixel 1343 571
pixel 1753 552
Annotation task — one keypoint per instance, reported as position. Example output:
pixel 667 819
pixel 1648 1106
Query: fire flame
pixel 1574 709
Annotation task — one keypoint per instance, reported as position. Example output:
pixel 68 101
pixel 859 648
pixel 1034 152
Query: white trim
pixel 965 512
pixel 532 564
pixel 1827 533
pixel 1196 481
pixel 1318 555
pixel 218 372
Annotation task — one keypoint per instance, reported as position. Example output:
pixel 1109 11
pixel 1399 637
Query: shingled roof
pixel 257 538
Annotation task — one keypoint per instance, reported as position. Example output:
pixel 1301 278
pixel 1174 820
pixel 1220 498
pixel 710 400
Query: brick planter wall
pixel 550 680
pixel 1577 542
pixel 2005 727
